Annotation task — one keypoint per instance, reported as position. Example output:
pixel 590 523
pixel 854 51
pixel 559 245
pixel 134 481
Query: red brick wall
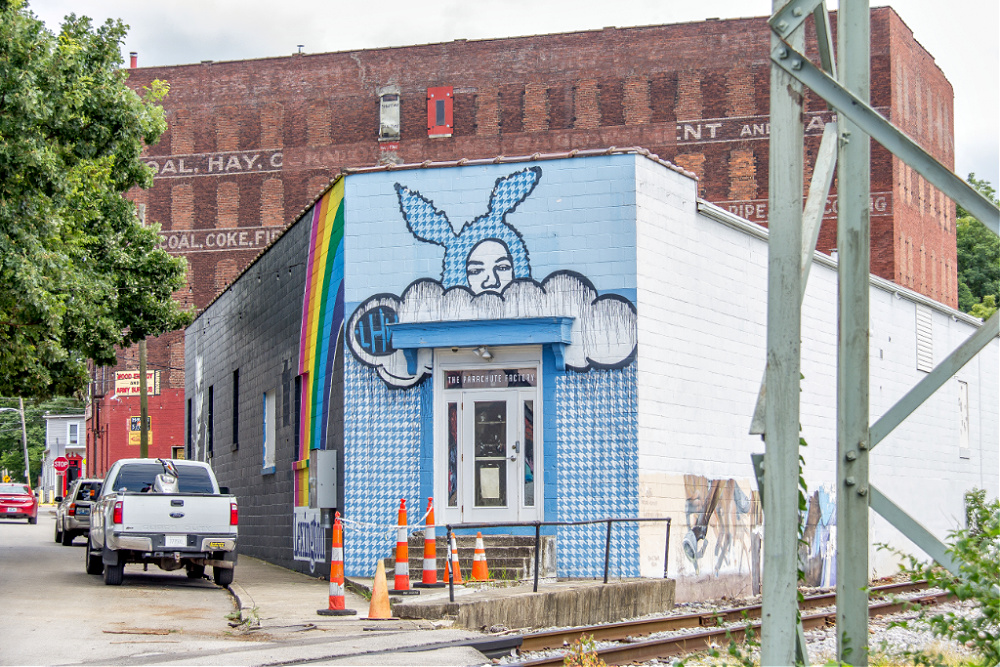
pixel 108 429
pixel 251 143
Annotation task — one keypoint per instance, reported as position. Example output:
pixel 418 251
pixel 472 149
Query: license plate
pixel 12 509
pixel 175 540
pixel 216 545
pixel 81 511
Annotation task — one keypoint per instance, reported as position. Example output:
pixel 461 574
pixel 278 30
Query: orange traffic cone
pixel 337 603
pixel 379 609
pixel 455 572
pixel 429 574
pixel 402 581
pixel 479 571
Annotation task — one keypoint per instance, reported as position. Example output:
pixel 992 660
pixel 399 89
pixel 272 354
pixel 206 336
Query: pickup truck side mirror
pixel 59 499
pixel 224 490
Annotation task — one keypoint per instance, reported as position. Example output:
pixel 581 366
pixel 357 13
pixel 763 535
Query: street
pixel 56 614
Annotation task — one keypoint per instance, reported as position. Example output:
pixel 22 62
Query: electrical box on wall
pixel 324 463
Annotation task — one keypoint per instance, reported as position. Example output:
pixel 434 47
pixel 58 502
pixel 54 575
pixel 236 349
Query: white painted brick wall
pixel 702 305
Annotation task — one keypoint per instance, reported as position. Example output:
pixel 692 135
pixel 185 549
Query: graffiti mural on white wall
pixel 724 531
pixel 486 275
pixel 722 506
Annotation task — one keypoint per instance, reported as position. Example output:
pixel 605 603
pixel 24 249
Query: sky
pixel 178 32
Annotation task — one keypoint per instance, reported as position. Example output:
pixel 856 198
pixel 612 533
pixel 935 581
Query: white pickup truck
pixel 168 512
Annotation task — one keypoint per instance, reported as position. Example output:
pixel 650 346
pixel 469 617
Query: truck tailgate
pixel 176 513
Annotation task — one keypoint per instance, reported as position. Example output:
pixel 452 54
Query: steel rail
pixel 695 641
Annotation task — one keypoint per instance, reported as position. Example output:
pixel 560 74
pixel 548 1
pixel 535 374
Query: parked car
pixel 166 512
pixel 73 511
pixel 18 502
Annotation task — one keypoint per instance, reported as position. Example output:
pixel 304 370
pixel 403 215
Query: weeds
pixel 583 653
pixel 976 550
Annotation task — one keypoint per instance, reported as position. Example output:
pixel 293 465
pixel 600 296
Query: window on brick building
pixel 236 409
pixel 298 412
pixel 210 430
pixel 440 111
pixel 270 437
pixel 388 114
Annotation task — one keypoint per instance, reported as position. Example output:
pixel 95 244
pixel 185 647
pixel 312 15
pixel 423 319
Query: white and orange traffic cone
pixel 338 606
pixel 455 572
pixel 479 570
pixel 429 573
pixel 402 581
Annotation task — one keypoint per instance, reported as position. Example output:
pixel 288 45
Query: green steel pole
pixel 853 244
pixel 784 323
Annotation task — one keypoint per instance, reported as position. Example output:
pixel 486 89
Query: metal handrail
pixel 451 527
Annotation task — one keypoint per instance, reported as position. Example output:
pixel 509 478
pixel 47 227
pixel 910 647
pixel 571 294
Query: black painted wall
pixel 254 327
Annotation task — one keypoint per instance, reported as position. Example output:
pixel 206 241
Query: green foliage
pixel 978 259
pixel 583 653
pixel 976 548
pixel 11 449
pixel 80 272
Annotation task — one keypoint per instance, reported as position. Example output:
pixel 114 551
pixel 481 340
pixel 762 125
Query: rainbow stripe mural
pixel 322 324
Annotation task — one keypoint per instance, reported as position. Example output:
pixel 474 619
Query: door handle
pixel 517 448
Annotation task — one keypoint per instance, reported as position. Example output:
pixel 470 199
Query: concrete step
pixel 508 557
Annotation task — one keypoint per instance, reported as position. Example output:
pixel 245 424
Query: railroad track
pixel 633 649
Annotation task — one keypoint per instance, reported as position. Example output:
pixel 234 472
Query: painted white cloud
pixel 603 332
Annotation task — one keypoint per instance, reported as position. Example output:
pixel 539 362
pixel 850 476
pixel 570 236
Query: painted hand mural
pixel 486 275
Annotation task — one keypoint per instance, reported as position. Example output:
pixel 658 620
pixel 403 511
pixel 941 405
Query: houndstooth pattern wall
pixel 597 453
pixel 381 464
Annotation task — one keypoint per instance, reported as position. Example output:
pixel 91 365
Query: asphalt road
pixel 53 612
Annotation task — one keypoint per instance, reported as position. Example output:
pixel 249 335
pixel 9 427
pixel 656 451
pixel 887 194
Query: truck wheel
pixel 195 571
pixel 113 574
pixel 58 533
pixel 67 538
pixel 94 564
pixel 223 575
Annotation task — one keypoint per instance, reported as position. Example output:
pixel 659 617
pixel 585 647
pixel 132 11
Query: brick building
pixel 250 143
pixel 528 339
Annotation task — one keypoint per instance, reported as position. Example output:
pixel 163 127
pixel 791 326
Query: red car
pixel 18 502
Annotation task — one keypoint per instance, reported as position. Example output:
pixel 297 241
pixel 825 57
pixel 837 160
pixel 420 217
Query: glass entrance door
pixel 499 462
pixel 488 453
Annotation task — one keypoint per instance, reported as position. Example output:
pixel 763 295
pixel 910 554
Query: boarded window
pixel 963 420
pixel 440 111
pixel 388 117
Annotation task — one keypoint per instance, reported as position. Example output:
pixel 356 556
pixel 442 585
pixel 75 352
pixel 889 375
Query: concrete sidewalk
pixel 275 597
pixel 282 605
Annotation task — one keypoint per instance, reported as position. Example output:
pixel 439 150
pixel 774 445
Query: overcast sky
pixel 965 45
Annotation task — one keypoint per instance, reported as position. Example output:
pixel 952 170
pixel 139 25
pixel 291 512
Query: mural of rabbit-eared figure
pixel 488 253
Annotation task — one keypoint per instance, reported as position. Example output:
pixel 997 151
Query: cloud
pixel 603 333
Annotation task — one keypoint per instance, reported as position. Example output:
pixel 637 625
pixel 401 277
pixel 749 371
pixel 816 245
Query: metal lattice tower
pixel 793 234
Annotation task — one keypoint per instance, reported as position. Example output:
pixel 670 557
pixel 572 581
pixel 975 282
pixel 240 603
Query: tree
pixel 11 449
pixel 80 272
pixel 978 259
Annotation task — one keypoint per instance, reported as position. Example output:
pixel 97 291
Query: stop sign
pixel 60 463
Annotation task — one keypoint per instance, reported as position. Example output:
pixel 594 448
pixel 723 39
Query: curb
pixel 244 602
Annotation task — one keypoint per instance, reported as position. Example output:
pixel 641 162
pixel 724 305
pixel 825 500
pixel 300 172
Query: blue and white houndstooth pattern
pixel 597 451
pixel 431 225
pixel 381 464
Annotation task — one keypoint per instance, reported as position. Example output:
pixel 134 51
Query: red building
pixel 113 428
